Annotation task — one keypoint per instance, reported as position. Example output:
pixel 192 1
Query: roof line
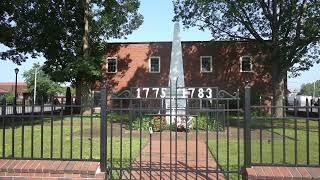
pixel 148 42
pixel 12 83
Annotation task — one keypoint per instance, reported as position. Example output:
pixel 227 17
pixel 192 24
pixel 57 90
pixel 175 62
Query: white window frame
pixel 251 64
pixel 154 57
pixel 201 57
pixel 108 58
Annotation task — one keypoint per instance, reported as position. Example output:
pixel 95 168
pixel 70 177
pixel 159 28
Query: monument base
pixel 179 119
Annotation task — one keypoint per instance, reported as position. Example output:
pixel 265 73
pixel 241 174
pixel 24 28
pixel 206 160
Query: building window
pixel 154 64
pixel 206 64
pixel 112 65
pixel 245 64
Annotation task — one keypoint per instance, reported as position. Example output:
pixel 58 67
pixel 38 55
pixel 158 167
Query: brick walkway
pixel 273 172
pixel 190 165
pixel 45 169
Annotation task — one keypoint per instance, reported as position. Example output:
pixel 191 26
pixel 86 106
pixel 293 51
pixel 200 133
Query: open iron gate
pixel 166 133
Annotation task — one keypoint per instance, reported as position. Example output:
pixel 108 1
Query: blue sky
pixel 157 26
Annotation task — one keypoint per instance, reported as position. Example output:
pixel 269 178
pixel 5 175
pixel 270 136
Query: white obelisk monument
pixel 176 75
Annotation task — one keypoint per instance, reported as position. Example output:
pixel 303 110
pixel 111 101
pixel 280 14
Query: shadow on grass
pixel 29 119
pixel 229 154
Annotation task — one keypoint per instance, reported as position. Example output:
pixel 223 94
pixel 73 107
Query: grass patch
pixel 32 138
pixel 225 160
pixel 282 153
pixel 125 161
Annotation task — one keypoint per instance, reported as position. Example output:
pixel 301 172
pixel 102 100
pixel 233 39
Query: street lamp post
pixel 35 86
pixel 16 70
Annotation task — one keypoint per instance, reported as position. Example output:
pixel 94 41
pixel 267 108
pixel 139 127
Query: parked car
pixel 301 100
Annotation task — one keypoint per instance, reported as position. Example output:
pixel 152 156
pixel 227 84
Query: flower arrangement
pixel 158 123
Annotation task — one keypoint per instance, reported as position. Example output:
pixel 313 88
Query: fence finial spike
pixel 103 83
pixel 247 84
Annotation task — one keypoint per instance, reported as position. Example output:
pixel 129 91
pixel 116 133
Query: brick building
pixel 224 64
pixel 9 87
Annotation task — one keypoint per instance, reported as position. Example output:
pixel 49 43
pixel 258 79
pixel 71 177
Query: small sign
pixel 150 130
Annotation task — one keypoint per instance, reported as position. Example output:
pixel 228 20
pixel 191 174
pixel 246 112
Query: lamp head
pixel 16 70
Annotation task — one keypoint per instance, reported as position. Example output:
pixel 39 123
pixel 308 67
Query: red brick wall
pixel 133 64
pixel 226 66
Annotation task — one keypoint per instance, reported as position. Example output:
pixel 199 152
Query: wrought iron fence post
pixel 247 123
pixel 103 127
pixel 23 105
pixel 42 105
pixel 4 107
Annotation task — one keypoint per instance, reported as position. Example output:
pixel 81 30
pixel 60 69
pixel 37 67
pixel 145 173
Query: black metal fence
pixel 50 131
pixel 166 132
pixel 195 135
pixel 287 135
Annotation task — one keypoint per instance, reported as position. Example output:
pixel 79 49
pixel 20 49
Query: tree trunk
pixel 68 100
pixel 85 49
pixel 278 88
pixel 78 100
pixel 85 37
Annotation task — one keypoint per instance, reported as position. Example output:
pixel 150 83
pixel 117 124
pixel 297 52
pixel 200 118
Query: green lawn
pixel 66 140
pixel 278 148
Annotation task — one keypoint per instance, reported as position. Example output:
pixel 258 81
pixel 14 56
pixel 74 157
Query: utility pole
pixel 35 86
pixel 314 89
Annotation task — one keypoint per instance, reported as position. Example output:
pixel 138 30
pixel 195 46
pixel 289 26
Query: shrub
pixel 156 122
pixel 9 98
pixel 213 124
pixel 144 122
pixel 173 127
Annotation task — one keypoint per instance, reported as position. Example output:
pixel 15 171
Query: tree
pixel 310 88
pixel 45 86
pixel 7 33
pixel 68 96
pixel 70 34
pixel 9 98
pixel 289 30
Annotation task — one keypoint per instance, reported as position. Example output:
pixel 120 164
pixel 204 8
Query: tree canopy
pixel 292 26
pixel 289 30
pixel 55 29
pixel 45 86
pixel 310 88
pixel 7 34
pixel 70 35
